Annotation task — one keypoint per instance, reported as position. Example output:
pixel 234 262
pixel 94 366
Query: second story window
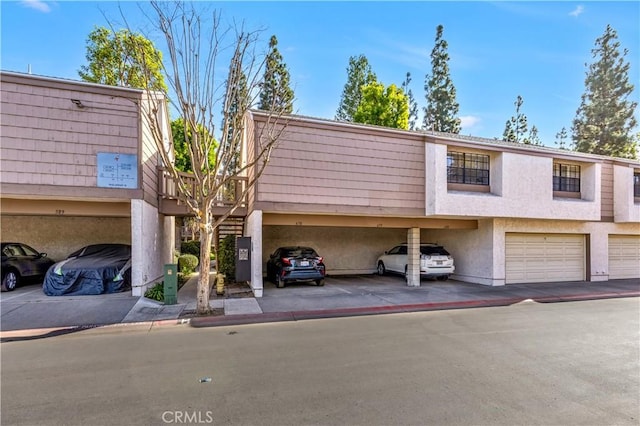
pixel 636 184
pixel 566 177
pixel 463 167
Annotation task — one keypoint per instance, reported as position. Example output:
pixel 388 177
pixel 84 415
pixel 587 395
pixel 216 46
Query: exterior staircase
pixel 231 226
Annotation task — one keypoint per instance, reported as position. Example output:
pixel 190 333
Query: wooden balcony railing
pixel 172 202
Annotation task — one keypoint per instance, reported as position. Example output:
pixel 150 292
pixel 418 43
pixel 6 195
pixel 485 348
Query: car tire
pixel 406 273
pixel 10 280
pixel 381 268
pixel 443 277
pixel 279 282
pixel 320 282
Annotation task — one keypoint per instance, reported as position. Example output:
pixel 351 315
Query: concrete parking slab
pixel 389 290
pixel 28 307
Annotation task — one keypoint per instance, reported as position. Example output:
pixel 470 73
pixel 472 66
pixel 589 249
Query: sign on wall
pixel 117 170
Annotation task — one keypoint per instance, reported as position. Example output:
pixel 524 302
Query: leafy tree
pixel 412 103
pixel 200 94
pixel 275 91
pixel 122 58
pixel 605 119
pixel 516 127
pixel 561 138
pixel 359 74
pixel 383 106
pixel 182 145
pixel 441 112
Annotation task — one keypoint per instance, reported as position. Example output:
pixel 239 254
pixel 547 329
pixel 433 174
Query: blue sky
pixel 498 50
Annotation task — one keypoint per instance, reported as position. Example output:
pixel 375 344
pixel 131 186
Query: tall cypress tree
pixel 275 91
pixel 605 120
pixel 412 103
pixel 441 112
pixel 516 127
pixel 532 138
pixel 237 102
pixel 359 74
pixel 561 138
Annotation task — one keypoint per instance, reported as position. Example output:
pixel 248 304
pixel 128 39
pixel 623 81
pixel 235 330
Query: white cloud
pixel 577 11
pixel 38 5
pixel 469 121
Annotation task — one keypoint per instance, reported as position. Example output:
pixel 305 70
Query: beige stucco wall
pixel 60 236
pixel 152 245
pixel 471 249
pixel 625 207
pixel 253 229
pixel 480 254
pixel 521 186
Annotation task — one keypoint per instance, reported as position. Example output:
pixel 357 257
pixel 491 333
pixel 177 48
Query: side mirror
pixel 42 255
pixel 386 252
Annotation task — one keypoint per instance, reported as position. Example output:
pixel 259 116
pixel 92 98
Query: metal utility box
pixel 243 259
pixel 170 284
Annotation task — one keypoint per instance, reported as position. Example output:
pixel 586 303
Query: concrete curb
pixel 242 319
pixel 391 309
pixel 41 333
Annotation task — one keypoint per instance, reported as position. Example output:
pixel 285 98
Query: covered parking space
pixel 350 245
pixel 60 227
pixel 355 291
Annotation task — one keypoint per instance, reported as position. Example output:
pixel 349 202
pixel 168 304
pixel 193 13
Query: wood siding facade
pixel 326 169
pixel 49 141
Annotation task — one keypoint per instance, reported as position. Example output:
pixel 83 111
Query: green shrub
pixel 187 263
pixel 191 247
pixel 227 261
pixel 156 292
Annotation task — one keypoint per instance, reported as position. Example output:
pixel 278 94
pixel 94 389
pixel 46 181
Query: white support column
pixel 152 244
pixel 253 229
pixel 413 257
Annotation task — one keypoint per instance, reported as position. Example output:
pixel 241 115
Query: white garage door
pixel 624 256
pixel 532 258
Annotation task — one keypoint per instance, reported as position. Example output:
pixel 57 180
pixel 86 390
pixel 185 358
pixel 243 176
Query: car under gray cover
pixel 94 269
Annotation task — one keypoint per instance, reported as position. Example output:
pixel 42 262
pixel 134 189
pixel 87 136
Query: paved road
pixel 530 363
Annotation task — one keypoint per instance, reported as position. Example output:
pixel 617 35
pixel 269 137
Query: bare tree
pixel 194 49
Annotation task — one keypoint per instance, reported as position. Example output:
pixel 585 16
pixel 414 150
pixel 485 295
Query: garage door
pixel 531 258
pixel 624 256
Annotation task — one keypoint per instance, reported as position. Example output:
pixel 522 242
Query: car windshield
pixel 299 252
pixel 433 250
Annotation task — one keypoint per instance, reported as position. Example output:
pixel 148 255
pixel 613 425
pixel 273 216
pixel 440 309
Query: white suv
pixel 435 261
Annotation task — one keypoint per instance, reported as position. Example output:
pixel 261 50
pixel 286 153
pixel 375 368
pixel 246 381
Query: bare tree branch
pixel 215 111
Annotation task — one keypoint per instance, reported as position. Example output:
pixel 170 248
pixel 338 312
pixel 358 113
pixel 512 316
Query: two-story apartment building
pixel 508 213
pixel 78 166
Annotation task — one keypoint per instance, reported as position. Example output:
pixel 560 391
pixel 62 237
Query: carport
pixel 350 245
